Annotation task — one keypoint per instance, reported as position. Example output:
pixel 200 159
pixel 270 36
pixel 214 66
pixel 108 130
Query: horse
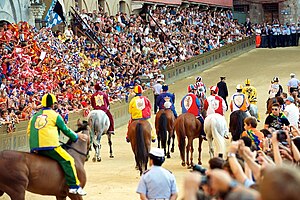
pixel 236 124
pixel 273 100
pixel 21 171
pixel 139 134
pixel 253 110
pixel 99 123
pixel 215 127
pixel 187 125
pixel 164 121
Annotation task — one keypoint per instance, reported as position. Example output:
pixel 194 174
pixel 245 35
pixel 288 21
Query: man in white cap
pixel 293 84
pixel 157 90
pixel 157 182
pixel 291 111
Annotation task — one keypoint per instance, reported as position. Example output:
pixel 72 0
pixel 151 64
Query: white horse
pixel 253 110
pixel 99 124
pixel 215 127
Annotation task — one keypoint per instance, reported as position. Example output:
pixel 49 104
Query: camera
pixel 282 137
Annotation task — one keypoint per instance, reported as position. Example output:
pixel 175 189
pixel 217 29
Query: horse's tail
pixel 141 151
pixel 163 129
pixel 1 193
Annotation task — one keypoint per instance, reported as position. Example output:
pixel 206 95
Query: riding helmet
pixel 247 81
pixel 48 100
pixel 198 78
pixel 215 89
pixel 165 87
pixel 275 79
pixel 138 89
pixel 239 87
pixel 190 88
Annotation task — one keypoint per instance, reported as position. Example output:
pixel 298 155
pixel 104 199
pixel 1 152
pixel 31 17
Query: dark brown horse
pixel 164 121
pixel 139 134
pixel 273 100
pixel 21 171
pixel 187 125
pixel 236 124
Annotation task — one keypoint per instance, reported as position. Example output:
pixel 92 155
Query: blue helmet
pixel 165 87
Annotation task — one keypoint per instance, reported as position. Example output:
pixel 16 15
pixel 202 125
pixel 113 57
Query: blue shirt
pixel 157 183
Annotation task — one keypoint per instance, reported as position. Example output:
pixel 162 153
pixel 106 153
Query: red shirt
pixel 99 101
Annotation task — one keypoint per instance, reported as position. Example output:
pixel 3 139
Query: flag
pixel 55 14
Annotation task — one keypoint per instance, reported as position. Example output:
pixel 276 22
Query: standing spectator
pixel 276 119
pixel 214 103
pixel 157 90
pixel 99 101
pixel 223 91
pixel 157 182
pixel 291 111
pixel 293 83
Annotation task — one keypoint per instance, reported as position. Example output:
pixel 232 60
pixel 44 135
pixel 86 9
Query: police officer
pixel 157 183
pixel 223 91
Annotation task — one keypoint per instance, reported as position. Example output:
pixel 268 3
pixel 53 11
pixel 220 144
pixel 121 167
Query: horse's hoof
pixel 98 159
pixel 172 150
pixel 136 167
pixel 183 164
pixel 189 166
pixel 199 163
pixel 94 159
pixel 168 156
pixel 111 156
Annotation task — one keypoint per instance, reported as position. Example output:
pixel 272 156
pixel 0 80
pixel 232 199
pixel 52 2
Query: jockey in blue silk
pixel 166 97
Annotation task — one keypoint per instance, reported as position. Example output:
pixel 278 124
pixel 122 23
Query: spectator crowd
pixel 34 62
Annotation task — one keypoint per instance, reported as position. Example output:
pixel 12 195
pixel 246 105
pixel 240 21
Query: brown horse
pixel 21 171
pixel 273 100
pixel 187 125
pixel 139 134
pixel 164 121
pixel 236 124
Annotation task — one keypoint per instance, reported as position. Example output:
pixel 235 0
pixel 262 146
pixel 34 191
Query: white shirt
pixel 292 113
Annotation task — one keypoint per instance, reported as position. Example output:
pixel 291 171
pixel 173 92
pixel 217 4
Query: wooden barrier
pixel 18 140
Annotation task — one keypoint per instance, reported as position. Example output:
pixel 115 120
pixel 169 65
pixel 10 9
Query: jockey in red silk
pixel 139 108
pixel 164 97
pixel 99 101
pixel 191 104
pixel 215 103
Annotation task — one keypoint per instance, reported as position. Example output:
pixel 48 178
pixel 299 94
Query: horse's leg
pixel 192 151
pixel 17 193
pixel 110 145
pixel 181 146
pixel 199 150
pixel 61 198
pixel 99 147
pixel 158 139
pixel 169 142
pixel 74 197
pixel 188 148
pixel 211 148
pixel 173 143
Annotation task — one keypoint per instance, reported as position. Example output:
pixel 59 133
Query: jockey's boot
pixel 153 138
pixel 127 139
pixel 78 190
pixel 202 133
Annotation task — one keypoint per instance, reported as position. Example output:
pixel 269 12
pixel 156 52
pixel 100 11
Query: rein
pixel 67 146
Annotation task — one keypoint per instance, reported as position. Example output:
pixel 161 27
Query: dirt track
pixel 117 178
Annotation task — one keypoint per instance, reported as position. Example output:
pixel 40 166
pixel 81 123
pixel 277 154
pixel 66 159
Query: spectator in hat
pixel 157 90
pixel 157 182
pixel 223 91
pixel 99 101
pixel 291 111
pixel 293 83
pixel 166 98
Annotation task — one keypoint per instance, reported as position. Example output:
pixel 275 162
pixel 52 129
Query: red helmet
pixel 191 87
pixel 215 89
pixel 97 86
pixel 138 89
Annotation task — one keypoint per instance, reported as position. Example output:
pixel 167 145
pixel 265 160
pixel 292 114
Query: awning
pixel 225 3
pixel 167 2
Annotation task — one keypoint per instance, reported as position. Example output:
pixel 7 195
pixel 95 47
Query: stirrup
pixel 79 191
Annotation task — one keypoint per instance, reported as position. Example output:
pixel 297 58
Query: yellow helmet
pixel 48 100
pixel 247 81
pixel 239 87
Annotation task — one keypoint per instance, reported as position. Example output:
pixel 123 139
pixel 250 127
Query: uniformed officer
pixel 157 183
pixel 223 91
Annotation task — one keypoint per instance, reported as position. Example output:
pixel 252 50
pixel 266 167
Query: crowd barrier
pixel 18 140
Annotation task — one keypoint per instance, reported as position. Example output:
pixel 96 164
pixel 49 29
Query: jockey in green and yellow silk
pixel 43 130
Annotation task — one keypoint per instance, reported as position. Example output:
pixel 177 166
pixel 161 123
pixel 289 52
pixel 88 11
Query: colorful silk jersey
pixel 239 102
pixel 215 104
pixel 140 107
pixel 165 97
pixel 250 93
pixel 99 101
pixel 191 104
pixel 43 130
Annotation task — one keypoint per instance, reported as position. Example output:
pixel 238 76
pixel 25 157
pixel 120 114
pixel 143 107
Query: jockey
pixel 251 94
pixel 164 97
pixel 43 130
pixel 200 87
pixel 215 103
pixel 139 108
pixel 239 101
pixel 191 104
pixel 99 101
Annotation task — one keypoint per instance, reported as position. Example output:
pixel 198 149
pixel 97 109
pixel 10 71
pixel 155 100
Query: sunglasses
pixel 275 109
